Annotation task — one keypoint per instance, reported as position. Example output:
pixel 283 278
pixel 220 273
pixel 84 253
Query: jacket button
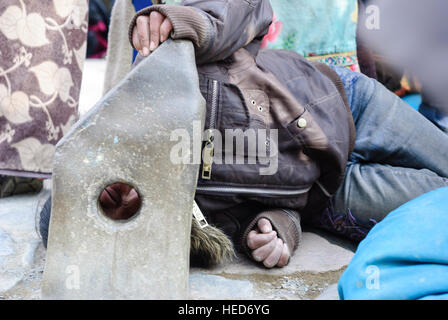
pixel 301 123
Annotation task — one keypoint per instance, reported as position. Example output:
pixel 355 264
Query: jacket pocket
pixel 257 103
pixel 307 131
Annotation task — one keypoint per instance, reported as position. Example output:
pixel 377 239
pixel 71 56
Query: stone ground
pixel 312 273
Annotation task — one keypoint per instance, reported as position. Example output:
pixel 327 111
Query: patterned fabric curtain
pixel 42 52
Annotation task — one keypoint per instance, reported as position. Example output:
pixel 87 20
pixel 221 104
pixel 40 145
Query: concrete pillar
pixel 125 138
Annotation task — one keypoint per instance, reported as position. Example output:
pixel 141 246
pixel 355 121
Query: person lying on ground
pixel 344 142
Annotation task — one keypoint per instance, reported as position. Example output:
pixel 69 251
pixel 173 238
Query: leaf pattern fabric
pixel 42 52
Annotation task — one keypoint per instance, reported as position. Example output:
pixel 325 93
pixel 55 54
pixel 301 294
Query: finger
pixel 263 252
pixel 155 22
pixel 274 256
pixel 135 39
pixel 284 258
pixel 165 29
pixel 256 240
pixel 143 34
pixel 264 225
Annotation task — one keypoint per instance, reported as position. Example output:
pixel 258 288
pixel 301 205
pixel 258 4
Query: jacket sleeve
pixel 217 28
pixel 285 222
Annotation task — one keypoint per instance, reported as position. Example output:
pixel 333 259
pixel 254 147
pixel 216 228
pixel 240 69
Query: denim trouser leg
pixel 438 118
pixel 398 154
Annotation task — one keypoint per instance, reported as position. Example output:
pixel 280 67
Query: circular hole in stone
pixel 119 201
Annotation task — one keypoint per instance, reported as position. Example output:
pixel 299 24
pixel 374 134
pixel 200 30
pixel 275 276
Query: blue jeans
pixel 398 155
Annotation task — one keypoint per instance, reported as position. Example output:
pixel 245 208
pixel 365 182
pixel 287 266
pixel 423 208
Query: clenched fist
pixel 266 246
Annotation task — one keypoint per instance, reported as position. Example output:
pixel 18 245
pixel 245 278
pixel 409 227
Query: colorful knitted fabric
pixel 322 30
pixel 345 59
pixel 343 223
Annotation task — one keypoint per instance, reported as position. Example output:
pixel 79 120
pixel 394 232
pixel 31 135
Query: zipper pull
pixel 197 214
pixel 207 160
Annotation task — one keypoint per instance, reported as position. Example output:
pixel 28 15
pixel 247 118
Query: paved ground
pixel 312 273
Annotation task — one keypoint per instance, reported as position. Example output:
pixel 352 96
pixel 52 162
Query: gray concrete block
pixel 126 138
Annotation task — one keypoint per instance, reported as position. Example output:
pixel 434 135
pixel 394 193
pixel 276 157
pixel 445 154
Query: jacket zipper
pixel 208 151
pixel 251 191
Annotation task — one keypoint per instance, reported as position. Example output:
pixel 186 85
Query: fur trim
pixel 209 246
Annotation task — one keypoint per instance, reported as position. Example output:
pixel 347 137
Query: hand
pixel 119 201
pixel 266 246
pixel 150 31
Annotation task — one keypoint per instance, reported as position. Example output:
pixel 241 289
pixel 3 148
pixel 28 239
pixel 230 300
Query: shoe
pixel 10 185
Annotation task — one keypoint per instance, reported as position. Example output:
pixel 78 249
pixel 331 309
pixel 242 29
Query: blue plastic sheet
pixel 405 256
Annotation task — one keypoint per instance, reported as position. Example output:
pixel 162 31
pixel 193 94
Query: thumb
pixel 264 225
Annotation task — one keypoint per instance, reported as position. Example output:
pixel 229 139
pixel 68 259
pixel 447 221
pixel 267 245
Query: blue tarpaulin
pixel 405 256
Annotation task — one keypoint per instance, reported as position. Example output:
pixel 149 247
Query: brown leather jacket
pixel 301 108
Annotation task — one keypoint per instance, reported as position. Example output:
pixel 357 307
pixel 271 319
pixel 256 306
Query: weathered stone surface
pixel 126 138
pixel 315 254
pixel 18 239
pixel 213 287
pixel 312 272
pixel 331 293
